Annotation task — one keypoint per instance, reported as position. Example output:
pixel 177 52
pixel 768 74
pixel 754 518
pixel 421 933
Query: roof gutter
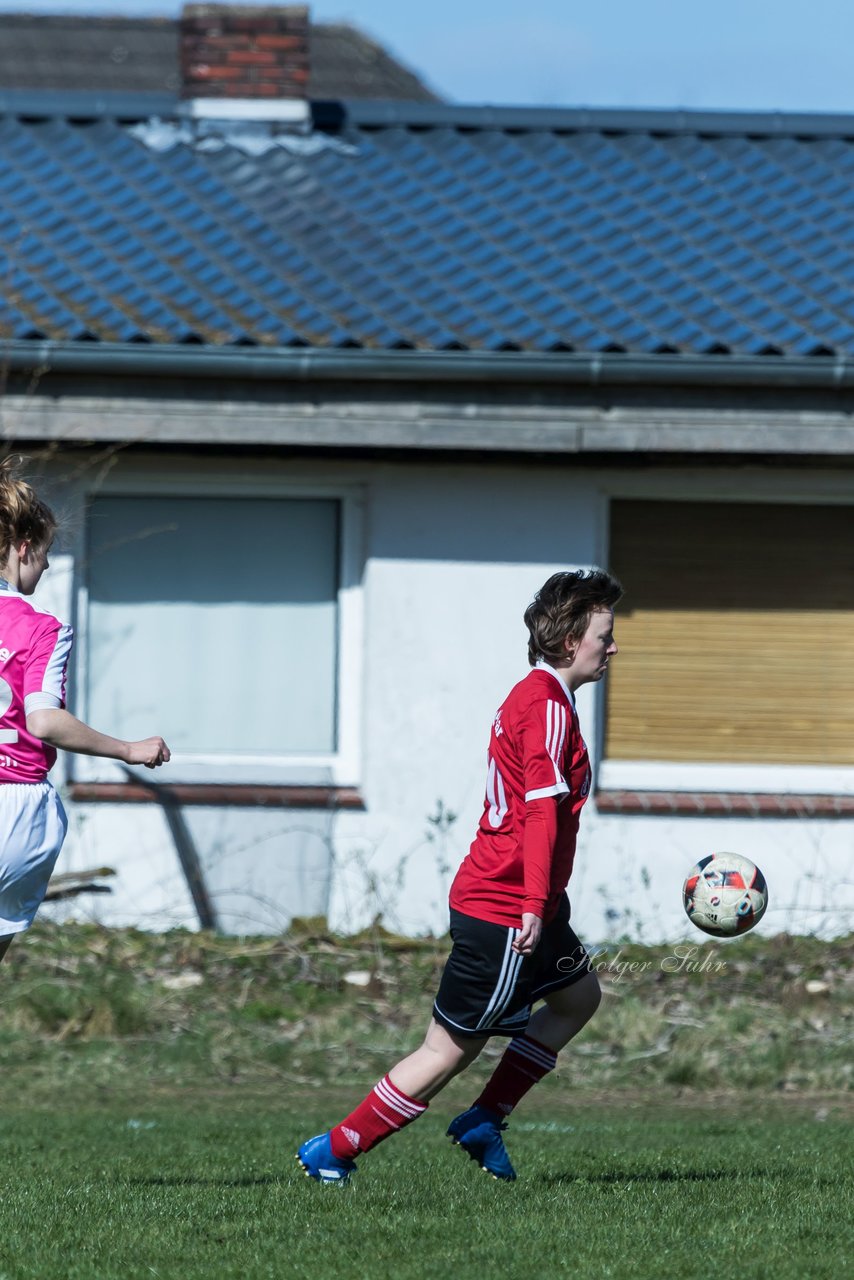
pixel 285 364
pixel 88 104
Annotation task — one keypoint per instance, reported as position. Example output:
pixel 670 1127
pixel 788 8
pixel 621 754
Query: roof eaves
pixel 81 104
pixel 335 114
pixel 367 114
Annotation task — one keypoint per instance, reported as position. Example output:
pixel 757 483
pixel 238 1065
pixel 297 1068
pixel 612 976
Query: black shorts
pixel 487 989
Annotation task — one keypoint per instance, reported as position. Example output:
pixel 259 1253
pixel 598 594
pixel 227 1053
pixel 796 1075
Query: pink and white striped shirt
pixel 34 652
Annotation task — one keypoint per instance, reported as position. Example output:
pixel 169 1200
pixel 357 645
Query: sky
pixel 750 55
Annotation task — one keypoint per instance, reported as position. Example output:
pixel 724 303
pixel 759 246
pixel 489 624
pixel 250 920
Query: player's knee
pixel 591 996
pixel 578 1002
pixel 462 1053
pixel 456 1052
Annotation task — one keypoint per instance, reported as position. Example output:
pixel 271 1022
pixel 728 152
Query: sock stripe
pixel 382 1115
pixel 385 1111
pixel 538 1054
pixel 398 1101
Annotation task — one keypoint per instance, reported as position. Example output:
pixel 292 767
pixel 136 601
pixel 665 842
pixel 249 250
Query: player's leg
pixel 440 1057
pixel 565 1012
pixel 533 1054
pixel 563 977
pixel 475 971
pixel 32 829
pixel 503 1008
pixel 394 1102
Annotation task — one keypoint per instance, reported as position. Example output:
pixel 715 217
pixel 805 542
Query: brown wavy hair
pixel 562 608
pixel 23 515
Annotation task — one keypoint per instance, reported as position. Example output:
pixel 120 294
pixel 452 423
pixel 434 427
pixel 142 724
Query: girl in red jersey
pixel 512 941
pixel 34 651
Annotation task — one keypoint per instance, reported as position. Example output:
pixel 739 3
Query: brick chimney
pixel 244 51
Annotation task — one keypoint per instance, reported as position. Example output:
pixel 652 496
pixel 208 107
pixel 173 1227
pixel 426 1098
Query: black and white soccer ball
pixel 725 894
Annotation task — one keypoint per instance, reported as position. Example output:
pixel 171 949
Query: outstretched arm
pixel 61 729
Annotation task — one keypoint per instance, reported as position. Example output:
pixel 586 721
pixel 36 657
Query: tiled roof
pixel 345 63
pixel 435 228
pixel 140 55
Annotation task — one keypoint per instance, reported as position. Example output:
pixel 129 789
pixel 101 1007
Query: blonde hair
pixel 23 515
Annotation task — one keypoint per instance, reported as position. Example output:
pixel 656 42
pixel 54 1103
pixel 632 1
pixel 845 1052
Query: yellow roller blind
pixel 736 633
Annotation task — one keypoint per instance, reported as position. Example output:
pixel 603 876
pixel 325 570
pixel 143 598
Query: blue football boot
pixel 478 1131
pixel 319 1163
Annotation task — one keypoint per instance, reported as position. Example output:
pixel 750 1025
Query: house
pixel 326 390
pixel 115 54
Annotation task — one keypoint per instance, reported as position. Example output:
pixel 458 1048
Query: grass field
pixel 155 1089
pixel 206 1186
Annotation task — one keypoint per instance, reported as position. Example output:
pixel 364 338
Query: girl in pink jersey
pixel 34 652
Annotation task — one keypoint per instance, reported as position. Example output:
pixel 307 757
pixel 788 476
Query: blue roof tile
pixel 561 231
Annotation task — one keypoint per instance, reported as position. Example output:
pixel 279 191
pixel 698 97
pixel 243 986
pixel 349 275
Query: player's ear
pixel 569 647
pixel 23 550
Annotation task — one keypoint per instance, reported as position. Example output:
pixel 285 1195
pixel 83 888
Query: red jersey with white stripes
pixel 538 778
pixel 34 649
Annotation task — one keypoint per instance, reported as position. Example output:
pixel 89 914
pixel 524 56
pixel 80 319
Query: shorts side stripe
pixel 499 1012
pixel 510 966
pixel 502 978
pixel 519 1019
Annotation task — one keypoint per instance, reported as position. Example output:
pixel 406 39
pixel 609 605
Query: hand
pixel 149 751
pixel 528 940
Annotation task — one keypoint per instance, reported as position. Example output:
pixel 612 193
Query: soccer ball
pixel 725 894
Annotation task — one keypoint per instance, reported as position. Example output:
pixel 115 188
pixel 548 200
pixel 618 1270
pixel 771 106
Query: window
pixel 217 621
pixel 736 638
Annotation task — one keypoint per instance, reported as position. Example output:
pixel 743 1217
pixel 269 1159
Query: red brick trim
pixel 281 42
pixel 216 794
pixel 238 52
pixel 252 58
pixel 715 804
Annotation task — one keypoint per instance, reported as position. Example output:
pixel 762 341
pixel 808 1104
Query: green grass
pixel 155 1088
pixel 122 1008
pixel 194 1185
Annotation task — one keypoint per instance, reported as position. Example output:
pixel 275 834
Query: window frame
pixel 637 777
pixel 340 768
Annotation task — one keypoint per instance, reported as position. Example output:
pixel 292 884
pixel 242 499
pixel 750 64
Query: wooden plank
pixel 736 636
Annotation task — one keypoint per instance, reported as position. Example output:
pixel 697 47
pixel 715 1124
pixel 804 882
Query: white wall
pixel 453 555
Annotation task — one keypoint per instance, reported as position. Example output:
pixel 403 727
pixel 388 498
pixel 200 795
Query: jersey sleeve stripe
pixel 551 718
pixel 559 788
pixel 53 680
pixel 556 733
pixel 43 701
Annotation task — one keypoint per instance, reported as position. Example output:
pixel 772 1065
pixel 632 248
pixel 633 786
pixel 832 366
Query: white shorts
pixel 32 829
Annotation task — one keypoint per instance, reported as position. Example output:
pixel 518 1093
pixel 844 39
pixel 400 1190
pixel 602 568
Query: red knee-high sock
pixel 385 1110
pixel 524 1063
